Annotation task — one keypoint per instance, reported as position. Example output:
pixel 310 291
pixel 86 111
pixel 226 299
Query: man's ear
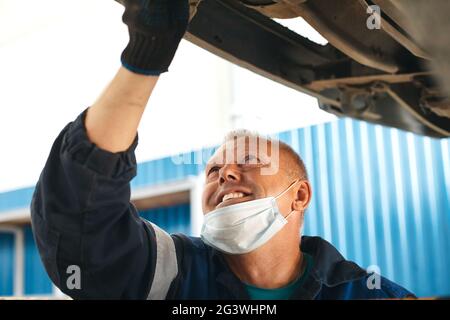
pixel 303 197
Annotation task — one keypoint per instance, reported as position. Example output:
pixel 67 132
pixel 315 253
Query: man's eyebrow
pixel 210 164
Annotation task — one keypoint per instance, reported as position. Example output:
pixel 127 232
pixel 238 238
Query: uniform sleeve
pixel 83 221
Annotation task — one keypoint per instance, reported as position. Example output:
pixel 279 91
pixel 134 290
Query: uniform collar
pixel 329 269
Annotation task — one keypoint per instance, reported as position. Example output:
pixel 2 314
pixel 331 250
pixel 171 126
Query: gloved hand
pixel 156 27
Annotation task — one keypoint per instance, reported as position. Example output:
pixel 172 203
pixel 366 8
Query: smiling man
pixel 255 197
pixel 253 188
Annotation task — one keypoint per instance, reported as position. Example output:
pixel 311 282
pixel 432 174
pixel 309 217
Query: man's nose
pixel 229 172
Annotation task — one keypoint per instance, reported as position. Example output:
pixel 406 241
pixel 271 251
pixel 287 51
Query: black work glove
pixel 155 28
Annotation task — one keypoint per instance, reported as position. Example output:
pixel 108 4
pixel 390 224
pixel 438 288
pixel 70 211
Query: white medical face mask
pixel 244 227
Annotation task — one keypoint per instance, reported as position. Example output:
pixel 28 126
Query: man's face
pixel 241 170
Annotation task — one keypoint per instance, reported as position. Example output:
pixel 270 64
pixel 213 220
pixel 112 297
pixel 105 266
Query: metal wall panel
pixel 171 168
pixel 7 256
pixel 381 196
pixel 15 199
pixel 36 279
pixel 173 219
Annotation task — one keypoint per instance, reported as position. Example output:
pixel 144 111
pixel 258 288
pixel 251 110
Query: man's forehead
pixel 234 150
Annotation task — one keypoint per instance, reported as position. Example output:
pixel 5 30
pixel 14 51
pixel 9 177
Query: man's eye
pixel 212 170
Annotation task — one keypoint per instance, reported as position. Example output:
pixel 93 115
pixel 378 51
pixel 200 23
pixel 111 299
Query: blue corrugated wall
pixel 380 195
pixel 166 169
pixel 15 199
pixel 172 219
pixel 36 279
pixel 6 264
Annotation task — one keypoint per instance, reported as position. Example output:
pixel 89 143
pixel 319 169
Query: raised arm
pixel 155 28
pixel 112 121
pixel 82 218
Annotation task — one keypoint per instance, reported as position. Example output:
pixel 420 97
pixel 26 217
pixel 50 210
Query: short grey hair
pixel 239 133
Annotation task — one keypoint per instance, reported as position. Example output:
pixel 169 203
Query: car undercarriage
pixel 386 61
